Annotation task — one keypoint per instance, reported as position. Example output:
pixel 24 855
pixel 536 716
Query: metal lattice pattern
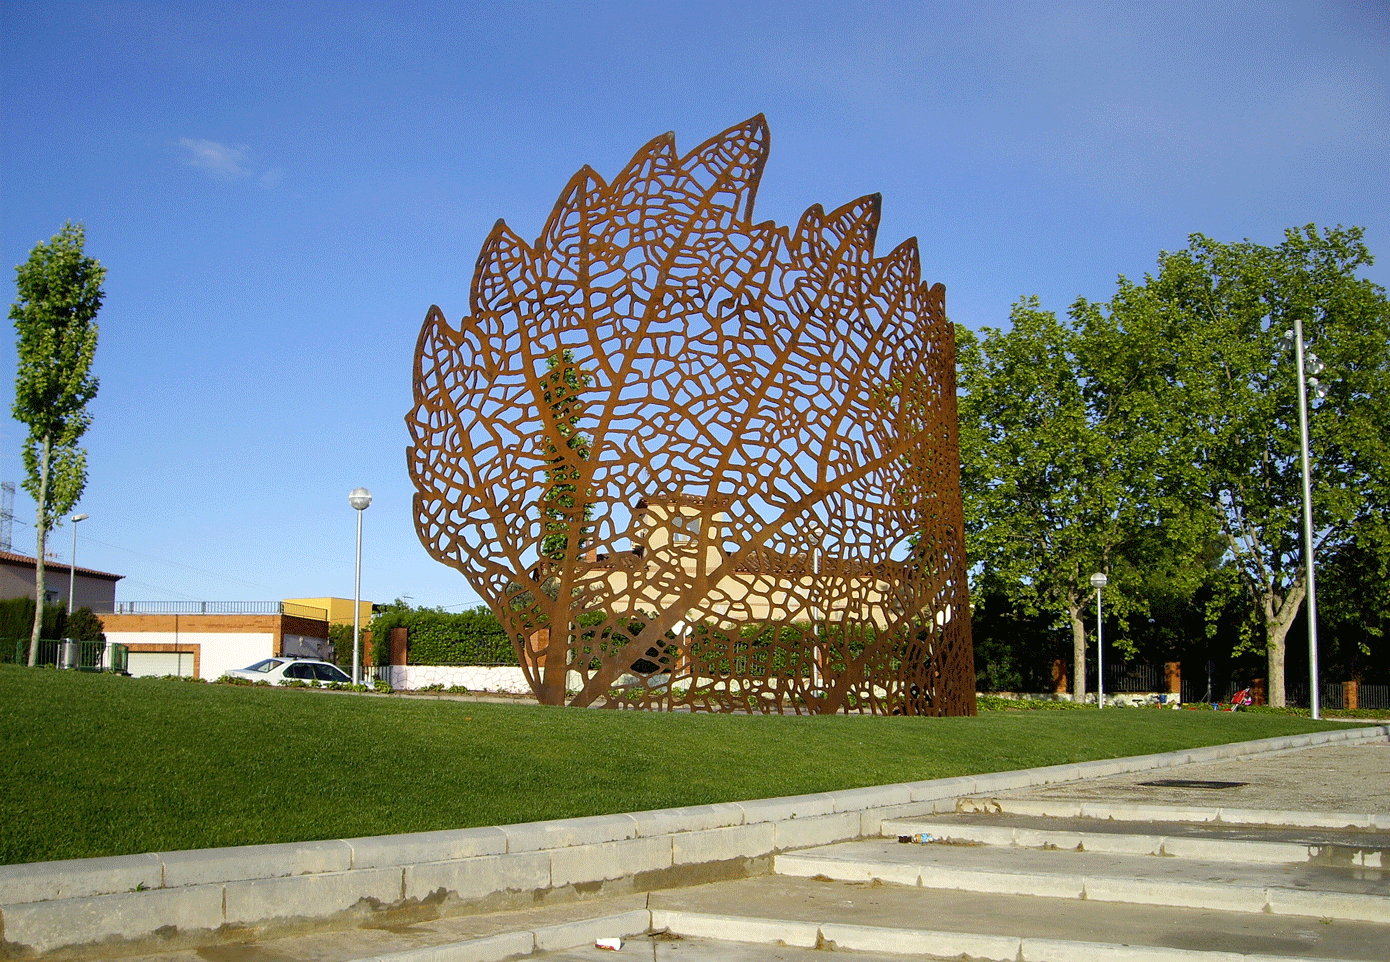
pixel 695 461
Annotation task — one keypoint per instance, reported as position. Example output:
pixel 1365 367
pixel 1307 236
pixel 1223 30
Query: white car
pixel 277 671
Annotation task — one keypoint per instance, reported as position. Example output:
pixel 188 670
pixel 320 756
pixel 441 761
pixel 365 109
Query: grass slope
pixel 102 765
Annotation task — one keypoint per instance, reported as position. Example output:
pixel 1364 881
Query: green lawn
pixel 104 765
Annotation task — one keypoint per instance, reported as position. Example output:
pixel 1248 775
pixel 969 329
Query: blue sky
pixel 280 191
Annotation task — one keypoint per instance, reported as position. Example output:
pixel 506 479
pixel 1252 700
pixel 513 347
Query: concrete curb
pixel 187 899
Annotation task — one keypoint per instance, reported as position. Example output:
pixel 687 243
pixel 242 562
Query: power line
pixel 173 564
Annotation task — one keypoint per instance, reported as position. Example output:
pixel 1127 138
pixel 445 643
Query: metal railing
pixel 1333 695
pixel 86 655
pixel 217 608
pixel 1123 677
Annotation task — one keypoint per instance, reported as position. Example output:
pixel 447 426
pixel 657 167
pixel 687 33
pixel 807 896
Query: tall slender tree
pixel 1047 497
pixel 60 294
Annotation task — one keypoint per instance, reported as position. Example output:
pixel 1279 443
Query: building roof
pixel 25 561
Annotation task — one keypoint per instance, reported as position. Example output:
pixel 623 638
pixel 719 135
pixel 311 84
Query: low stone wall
pixel 102 907
pixel 499 678
pixel 1124 699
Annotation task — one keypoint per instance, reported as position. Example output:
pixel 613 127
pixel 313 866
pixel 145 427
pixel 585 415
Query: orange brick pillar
pixel 1351 694
pixel 1257 691
pixel 1059 677
pixel 1172 676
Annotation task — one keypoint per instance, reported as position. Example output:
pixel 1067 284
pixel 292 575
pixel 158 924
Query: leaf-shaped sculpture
pixel 694 461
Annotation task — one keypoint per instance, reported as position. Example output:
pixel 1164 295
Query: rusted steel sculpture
pixel 694 461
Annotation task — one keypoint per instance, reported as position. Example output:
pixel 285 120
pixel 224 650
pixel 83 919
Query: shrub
pixel 84 625
pixel 17 622
pixel 340 637
pixel 996 703
pixel 439 637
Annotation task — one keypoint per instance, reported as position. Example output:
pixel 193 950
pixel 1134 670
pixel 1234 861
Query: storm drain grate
pixel 1192 783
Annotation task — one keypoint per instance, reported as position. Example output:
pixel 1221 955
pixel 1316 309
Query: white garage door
pixel 161 663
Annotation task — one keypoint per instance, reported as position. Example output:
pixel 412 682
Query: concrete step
pixel 1346 847
pixel 1117 811
pixel 807 915
pixel 1314 891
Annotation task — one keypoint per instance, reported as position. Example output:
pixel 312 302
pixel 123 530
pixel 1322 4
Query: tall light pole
pixel 359 499
pixel 1308 368
pixel 1098 582
pixel 72 568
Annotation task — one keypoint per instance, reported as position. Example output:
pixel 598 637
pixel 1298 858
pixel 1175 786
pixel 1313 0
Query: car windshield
pixel 263 666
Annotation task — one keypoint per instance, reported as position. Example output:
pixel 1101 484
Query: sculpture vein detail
pixel 694 461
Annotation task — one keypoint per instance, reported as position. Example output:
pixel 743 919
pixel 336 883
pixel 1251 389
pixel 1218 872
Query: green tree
pixel 1354 610
pixel 563 385
pixel 1195 350
pixel 84 625
pixel 59 296
pixel 1047 497
pixel 340 637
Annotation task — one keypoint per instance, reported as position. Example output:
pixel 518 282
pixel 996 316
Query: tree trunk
pixel 1274 687
pixel 39 586
pixel 1279 615
pixel 555 671
pixel 1078 650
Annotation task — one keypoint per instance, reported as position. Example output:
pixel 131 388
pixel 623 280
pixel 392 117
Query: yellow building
pixel 339 610
pixel 673 555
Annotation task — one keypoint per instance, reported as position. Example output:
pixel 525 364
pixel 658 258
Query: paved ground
pixel 1353 779
pixel 1338 778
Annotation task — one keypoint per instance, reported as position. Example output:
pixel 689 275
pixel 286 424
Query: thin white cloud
pixel 219 160
pixel 225 162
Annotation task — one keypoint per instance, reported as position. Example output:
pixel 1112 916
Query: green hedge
pixel 445 638
pixel 17 623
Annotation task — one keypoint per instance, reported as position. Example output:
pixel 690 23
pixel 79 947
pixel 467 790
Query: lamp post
pixel 1098 582
pixel 1309 367
pixel 359 499
pixel 72 568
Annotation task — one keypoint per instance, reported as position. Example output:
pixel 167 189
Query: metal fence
pixel 218 608
pixel 1123 677
pixel 87 655
pixel 1334 695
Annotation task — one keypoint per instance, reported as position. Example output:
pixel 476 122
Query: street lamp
pixel 1098 582
pixel 1309 367
pixel 72 569
pixel 359 499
